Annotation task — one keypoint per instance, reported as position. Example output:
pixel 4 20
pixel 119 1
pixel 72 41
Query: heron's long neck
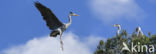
pixel 68 24
pixel 119 28
pixel 118 31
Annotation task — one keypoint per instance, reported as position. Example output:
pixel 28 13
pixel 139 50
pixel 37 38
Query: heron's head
pixel 73 14
pixel 116 25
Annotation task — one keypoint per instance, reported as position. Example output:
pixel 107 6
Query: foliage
pixel 114 45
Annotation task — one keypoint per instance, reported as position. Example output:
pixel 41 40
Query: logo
pixel 138 48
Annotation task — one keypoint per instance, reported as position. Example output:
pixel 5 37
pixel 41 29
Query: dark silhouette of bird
pixel 53 22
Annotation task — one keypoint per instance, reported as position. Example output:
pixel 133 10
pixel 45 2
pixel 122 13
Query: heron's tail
pixel 54 34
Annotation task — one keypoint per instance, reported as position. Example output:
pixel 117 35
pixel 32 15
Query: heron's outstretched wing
pixel 49 17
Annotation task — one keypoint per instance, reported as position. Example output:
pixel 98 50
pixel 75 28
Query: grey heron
pixel 52 21
pixel 139 31
pixel 119 28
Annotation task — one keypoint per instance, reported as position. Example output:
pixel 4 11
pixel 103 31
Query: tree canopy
pixel 114 45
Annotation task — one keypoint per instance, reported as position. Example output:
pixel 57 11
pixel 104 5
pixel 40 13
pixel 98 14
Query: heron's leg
pixel 61 42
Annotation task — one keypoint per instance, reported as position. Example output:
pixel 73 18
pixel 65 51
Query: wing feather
pixel 48 16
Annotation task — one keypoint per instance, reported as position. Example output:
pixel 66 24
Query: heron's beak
pixel 77 15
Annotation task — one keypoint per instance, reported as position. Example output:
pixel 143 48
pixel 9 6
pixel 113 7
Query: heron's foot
pixel 62 48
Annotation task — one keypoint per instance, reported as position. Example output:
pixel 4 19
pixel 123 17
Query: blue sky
pixel 20 21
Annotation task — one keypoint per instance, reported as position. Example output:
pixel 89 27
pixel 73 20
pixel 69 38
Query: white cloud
pixel 93 41
pixel 48 45
pixel 112 10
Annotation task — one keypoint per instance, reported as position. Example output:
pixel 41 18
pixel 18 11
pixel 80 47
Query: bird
pixel 56 26
pixel 119 28
pixel 139 31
